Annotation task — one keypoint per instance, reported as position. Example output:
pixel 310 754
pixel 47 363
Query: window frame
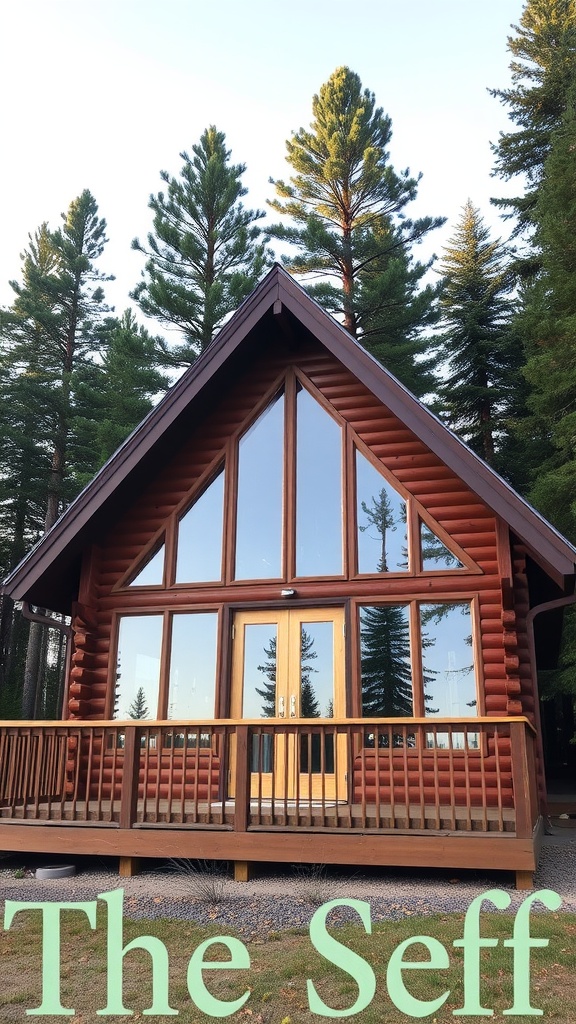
pixel 167 616
pixel 413 602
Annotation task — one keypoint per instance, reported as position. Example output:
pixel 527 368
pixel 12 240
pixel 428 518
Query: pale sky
pixel 103 94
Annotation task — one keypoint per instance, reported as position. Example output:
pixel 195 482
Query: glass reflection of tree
pixel 385 639
pixel 433 550
pixel 385 636
pixel 386 671
pixel 309 706
pixel 268 669
pixel 380 515
pixel 138 708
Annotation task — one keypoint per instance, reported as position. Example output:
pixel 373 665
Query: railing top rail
pixel 228 722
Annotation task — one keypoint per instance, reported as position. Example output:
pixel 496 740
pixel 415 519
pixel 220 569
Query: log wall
pixel 502 648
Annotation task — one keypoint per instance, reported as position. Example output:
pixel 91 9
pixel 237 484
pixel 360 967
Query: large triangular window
pixel 296 495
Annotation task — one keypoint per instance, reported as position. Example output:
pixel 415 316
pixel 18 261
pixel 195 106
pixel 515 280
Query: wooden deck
pixel 421 792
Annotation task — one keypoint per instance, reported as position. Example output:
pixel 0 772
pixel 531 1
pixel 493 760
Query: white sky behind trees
pixel 103 94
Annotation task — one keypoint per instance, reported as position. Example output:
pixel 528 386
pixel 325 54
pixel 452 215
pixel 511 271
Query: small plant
pixel 20 873
pixel 202 879
pixel 313 884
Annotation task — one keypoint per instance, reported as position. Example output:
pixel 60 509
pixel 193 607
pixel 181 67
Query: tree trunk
pixel 32 671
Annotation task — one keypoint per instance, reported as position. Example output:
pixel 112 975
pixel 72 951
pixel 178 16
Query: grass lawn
pixel 279 967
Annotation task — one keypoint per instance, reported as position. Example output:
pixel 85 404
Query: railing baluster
pixel 437 818
pixel 452 788
pixel 498 779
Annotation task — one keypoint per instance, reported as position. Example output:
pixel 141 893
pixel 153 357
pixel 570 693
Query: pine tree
pixel 138 708
pixel 51 332
pixel 347 203
pixel 206 251
pixel 396 312
pixel 113 395
pixel 480 391
pixel 544 52
pixel 549 321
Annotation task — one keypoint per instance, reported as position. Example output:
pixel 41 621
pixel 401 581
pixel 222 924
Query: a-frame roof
pixel 49 573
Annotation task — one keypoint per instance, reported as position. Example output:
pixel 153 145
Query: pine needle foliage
pixel 206 251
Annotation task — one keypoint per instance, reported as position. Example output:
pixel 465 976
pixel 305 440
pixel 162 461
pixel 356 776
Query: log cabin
pixel 306 623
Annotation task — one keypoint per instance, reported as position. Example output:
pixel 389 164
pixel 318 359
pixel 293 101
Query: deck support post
pixel 242 781
pixel 242 870
pixel 129 790
pixel 128 866
pixel 524 880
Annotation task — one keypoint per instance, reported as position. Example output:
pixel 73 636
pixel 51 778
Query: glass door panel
pixel 288 666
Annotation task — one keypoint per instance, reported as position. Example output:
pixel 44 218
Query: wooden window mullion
pixel 349 509
pixel 163 694
pixel 289 501
pixel 417 660
pixel 170 542
pixel 230 500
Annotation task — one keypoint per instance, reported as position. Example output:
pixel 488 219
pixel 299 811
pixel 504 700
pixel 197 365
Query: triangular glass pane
pixel 199 554
pixel 381 514
pixel 435 554
pixel 152 573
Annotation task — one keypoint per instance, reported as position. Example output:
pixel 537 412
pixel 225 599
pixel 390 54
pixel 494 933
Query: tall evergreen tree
pixel 544 53
pixel 348 207
pixel 206 251
pixel 549 322
pixel 61 304
pixel 480 391
pixel 397 312
pixel 113 395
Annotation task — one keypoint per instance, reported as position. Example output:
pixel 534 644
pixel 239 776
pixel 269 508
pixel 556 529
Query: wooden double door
pixel 288 666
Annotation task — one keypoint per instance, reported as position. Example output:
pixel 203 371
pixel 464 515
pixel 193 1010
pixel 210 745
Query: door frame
pixel 289 621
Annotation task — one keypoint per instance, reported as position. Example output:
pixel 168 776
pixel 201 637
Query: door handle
pixel 292 706
pixel 281 708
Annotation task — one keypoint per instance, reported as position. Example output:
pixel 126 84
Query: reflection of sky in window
pixel 320 670
pixel 151 574
pixel 257 640
pixel 259 504
pixel 193 666
pixel 447 652
pixel 200 537
pixel 139 645
pixel 371 488
pixel 318 490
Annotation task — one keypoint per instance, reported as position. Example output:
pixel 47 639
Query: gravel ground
pixel 276 900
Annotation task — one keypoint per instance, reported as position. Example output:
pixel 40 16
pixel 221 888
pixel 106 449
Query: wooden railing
pixel 415 775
